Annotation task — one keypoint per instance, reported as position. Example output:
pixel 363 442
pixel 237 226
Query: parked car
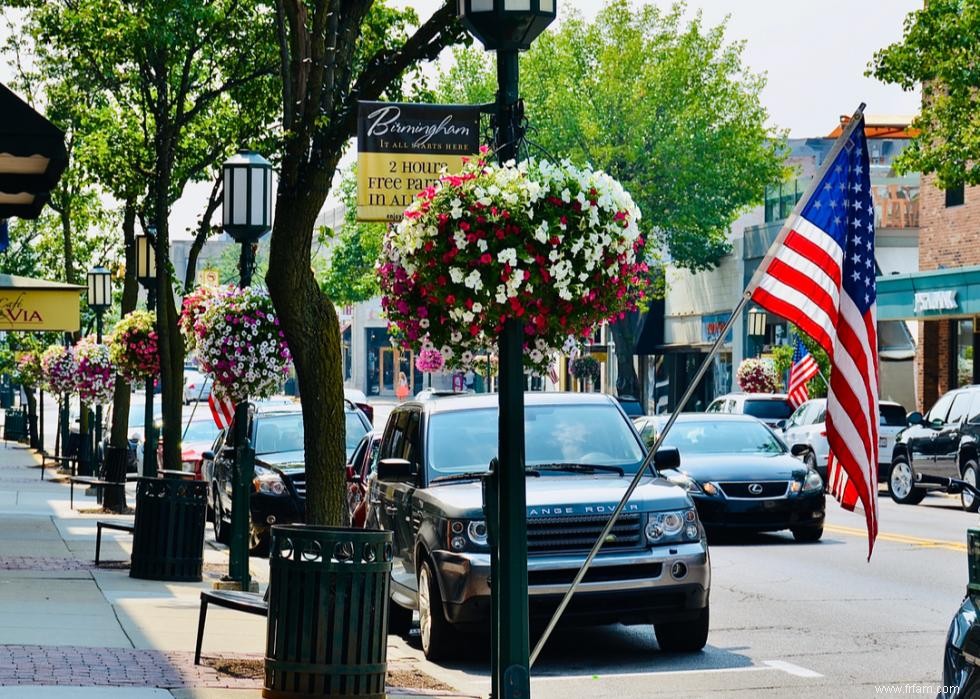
pixel 360 400
pixel 941 443
pixel 806 427
pixel 580 451
pixel 768 407
pixel 197 386
pixel 279 485
pixel 631 406
pixel 741 476
pixel 360 468
pixel 198 435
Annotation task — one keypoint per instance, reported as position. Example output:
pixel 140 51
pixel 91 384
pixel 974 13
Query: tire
pixel 221 529
pixel 970 474
pixel 399 620
pixel 807 535
pixel 900 484
pixel 439 639
pixel 683 636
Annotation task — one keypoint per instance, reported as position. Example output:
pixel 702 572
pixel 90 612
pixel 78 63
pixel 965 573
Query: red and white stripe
pixel 799 374
pixel 222 410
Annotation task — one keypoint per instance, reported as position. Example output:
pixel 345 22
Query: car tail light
pixel 823 433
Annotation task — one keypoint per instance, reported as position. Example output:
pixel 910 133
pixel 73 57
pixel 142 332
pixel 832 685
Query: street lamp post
pixel 507 27
pixel 246 217
pixel 757 322
pixel 146 275
pixel 99 299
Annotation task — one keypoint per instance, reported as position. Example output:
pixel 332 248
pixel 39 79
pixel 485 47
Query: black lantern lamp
pixel 247 182
pixel 507 24
pixel 146 261
pixel 99 290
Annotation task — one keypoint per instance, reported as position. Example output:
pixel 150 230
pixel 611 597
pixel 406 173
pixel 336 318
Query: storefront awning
pixel 32 157
pixel 33 304
pixel 943 293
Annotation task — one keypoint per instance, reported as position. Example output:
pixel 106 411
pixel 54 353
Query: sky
pixel 814 54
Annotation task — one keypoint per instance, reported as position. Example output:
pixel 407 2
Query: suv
pixel 771 408
pixel 941 443
pixel 581 451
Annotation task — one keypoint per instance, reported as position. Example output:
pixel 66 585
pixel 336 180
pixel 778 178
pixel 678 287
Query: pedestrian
pixel 401 391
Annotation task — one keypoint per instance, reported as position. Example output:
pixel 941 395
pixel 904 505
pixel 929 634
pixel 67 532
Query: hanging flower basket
pixel 59 369
pixel 241 345
pixel 757 376
pixel 429 361
pixel 133 347
pixel 586 367
pixel 28 371
pixel 552 245
pixel 96 374
pixel 192 310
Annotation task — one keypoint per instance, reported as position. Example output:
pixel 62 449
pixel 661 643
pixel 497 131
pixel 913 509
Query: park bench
pixel 248 602
pixel 99 526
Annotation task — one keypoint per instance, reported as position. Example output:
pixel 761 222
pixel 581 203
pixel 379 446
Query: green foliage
pixel 667 108
pixel 939 52
pixel 782 359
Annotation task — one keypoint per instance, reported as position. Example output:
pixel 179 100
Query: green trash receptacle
pixel 14 425
pixel 328 612
pixel 168 530
pixel 6 395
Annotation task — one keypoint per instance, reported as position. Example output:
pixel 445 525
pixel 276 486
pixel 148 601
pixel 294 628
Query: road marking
pixel 778 665
pixel 899 538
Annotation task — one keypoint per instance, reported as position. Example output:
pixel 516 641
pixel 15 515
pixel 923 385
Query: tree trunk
pixel 201 236
pixel 33 439
pixel 309 320
pixel 625 332
pixel 115 498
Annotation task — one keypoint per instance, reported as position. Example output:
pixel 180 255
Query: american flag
pixel 222 410
pixel 804 368
pixel 820 275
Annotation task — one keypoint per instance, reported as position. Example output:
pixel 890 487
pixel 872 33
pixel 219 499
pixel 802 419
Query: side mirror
pixel 799 449
pixel 914 418
pixel 936 424
pixel 395 470
pixel 667 458
pixel 209 455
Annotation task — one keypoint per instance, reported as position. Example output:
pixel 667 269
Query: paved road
pixel 787 619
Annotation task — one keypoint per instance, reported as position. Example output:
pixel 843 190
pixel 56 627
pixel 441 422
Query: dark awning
pixel 32 157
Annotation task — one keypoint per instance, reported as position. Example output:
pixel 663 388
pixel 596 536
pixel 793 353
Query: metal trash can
pixel 328 613
pixel 168 530
pixel 6 395
pixel 14 425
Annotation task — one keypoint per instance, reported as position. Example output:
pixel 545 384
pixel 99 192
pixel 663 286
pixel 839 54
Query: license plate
pixel 882 442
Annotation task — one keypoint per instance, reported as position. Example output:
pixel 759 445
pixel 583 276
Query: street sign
pixel 403 148
pixel 208 277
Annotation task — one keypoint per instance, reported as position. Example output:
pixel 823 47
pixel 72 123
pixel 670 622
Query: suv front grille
pixel 741 489
pixel 579 533
pixel 299 484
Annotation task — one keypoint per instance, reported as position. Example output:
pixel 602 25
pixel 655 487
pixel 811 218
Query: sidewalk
pixel 69 630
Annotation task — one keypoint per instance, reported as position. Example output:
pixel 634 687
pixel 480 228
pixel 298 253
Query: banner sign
pixel 37 309
pixel 402 148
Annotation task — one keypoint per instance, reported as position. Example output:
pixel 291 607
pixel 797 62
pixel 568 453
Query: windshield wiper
pixel 468 476
pixel 579 468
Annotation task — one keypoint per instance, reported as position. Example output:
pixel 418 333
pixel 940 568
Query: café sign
pixel 403 148
pixel 28 304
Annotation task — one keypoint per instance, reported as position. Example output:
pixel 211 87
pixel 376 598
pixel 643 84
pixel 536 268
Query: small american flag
pixel 820 275
pixel 804 368
pixel 222 410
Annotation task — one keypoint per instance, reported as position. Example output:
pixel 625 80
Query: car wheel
pixel 683 636
pixel 221 531
pixel 259 539
pixel 439 638
pixel 969 501
pixel 901 486
pixel 807 535
pixel 399 619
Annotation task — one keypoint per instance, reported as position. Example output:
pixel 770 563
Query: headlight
pixel 467 535
pixel 684 481
pixel 268 482
pixel 477 531
pixel 812 482
pixel 188 466
pixel 672 527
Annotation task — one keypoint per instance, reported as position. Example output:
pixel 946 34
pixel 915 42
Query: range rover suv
pixel 581 451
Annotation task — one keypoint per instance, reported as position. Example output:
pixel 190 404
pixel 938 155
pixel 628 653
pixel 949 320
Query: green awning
pixel 942 293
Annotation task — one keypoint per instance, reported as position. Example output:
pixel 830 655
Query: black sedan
pixel 740 475
pixel 279 486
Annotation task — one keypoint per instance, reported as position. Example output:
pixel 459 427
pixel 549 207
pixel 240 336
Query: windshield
pixel 768 409
pixel 892 415
pixel 201 431
pixel 466 440
pixel 722 437
pixel 279 433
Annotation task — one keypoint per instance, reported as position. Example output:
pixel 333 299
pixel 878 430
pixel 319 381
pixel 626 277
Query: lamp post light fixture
pixel 146 275
pixel 99 300
pixel 507 27
pixel 246 216
pixel 757 321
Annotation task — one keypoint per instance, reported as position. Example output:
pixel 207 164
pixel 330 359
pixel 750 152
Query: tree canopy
pixel 939 52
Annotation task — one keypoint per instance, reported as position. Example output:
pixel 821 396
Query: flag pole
pixel 702 370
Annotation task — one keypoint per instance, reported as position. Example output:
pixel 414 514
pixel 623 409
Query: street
pixel 787 619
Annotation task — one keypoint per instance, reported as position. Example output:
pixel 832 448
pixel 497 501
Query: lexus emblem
pixel 755 489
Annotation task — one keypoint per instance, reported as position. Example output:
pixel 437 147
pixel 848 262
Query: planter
pixel 328 613
pixel 168 535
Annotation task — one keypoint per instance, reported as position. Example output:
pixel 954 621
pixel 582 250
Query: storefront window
pixel 964 352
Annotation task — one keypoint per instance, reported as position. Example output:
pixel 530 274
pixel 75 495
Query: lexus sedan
pixel 740 475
